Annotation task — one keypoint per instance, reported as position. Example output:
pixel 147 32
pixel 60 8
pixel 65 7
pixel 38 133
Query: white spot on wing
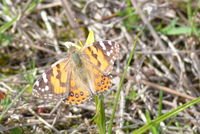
pixel 102 45
pixel 46 88
pixel 110 42
pixel 42 89
pixel 44 76
pixel 37 83
pixel 108 53
pixel 112 62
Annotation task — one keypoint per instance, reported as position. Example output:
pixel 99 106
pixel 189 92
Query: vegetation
pixel 155 81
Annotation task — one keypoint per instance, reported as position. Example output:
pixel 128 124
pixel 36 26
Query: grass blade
pixel 12 103
pixel 99 118
pixel 165 116
pixel 7 25
pixel 120 87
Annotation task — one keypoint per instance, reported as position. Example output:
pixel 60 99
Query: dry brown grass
pixel 166 59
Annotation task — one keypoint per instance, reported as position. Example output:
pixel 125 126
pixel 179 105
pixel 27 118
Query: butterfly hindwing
pixel 102 81
pixel 77 94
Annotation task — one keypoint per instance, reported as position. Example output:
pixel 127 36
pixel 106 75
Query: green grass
pixel 5 39
pixel 13 102
pixel 32 5
pixel 164 117
pixel 191 13
pixel 160 109
pixel 180 26
pixel 120 87
pixel 99 117
pixel 157 128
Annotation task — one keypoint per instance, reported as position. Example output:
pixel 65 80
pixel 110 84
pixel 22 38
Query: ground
pixel 161 83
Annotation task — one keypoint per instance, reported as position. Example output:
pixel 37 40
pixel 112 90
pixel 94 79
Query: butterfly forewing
pixel 103 54
pixel 53 83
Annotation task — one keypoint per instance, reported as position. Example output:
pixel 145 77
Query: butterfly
pixel 83 73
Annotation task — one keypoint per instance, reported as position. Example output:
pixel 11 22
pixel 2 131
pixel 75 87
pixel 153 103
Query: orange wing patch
pixel 97 57
pixel 102 54
pixel 53 83
pixel 77 95
pixel 92 57
pixel 59 78
pixel 102 82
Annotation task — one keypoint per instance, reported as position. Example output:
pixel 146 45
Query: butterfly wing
pixel 78 92
pixel 60 82
pixel 81 91
pixel 102 81
pixel 102 54
pixel 64 81
pixel 54 83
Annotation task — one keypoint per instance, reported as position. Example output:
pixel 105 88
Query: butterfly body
pixel 81 74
